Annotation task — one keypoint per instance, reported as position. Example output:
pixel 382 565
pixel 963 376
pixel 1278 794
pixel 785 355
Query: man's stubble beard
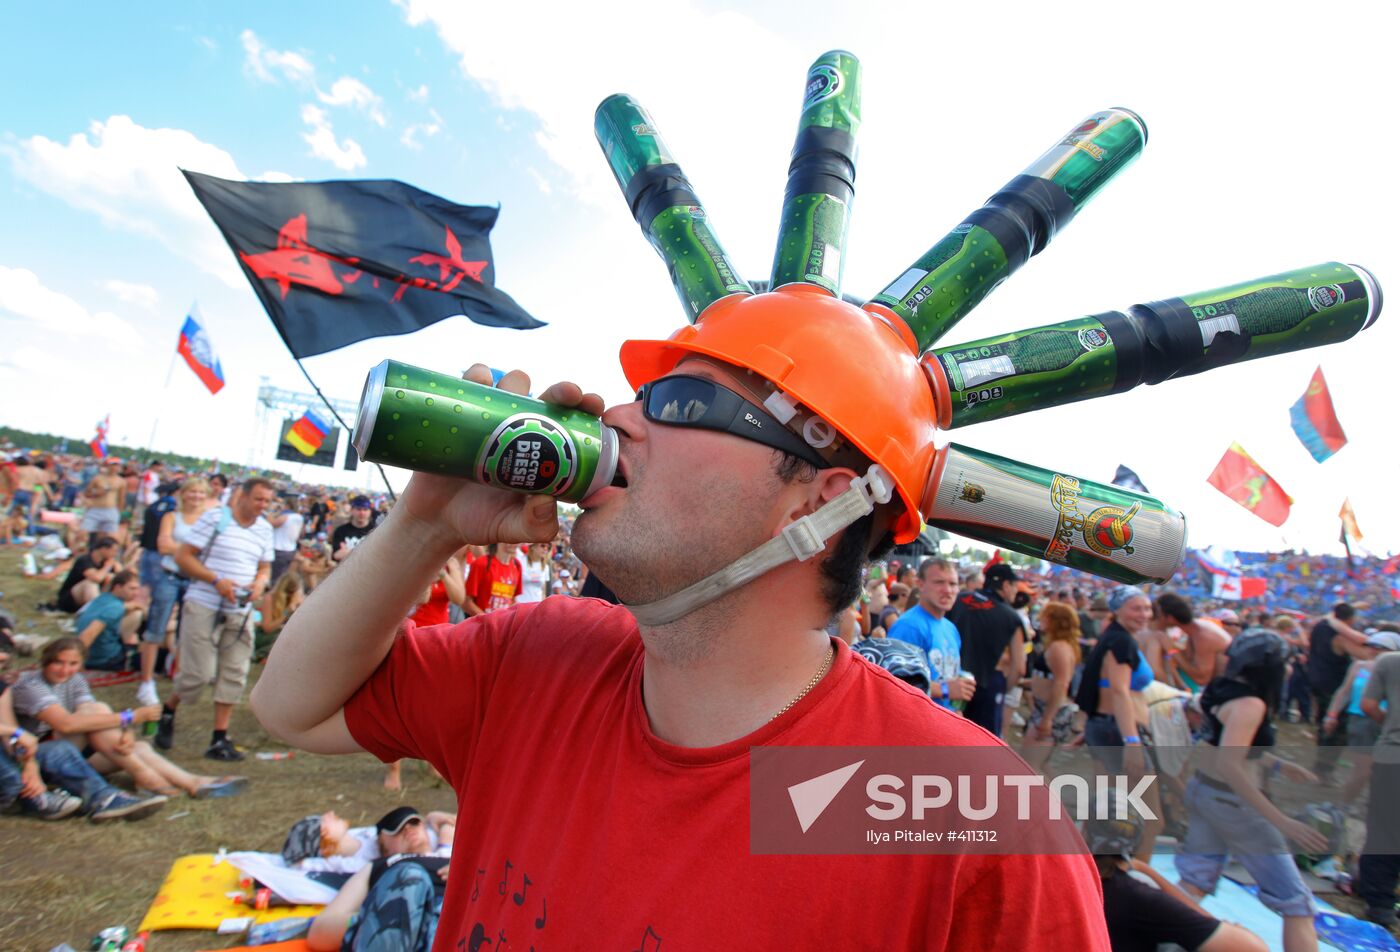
pixel 643 561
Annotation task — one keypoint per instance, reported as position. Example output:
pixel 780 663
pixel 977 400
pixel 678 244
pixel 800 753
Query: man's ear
pixel 805 498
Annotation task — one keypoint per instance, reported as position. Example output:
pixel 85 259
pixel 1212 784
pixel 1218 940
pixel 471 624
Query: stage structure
pixel 277 408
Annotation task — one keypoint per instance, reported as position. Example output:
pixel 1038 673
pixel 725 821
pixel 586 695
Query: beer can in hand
pixel 436 423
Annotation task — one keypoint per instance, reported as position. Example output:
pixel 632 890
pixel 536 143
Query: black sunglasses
pixel 683 400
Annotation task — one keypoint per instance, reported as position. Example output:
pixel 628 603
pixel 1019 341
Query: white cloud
pixel 668 84
pixel 348 91
pixel 129 176
pixel 23 295
pixel 263 62
pixel 425 129
pixel 345 155
pixel 420 94
pixel 272 175
pixel 141 295
pixel 540 181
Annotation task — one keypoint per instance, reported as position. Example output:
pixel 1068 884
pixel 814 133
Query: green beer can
pixel 821 177
pixel 436 423
pixel 952 277
pixel 1115 351
pixel 665 205
pixel 1095 527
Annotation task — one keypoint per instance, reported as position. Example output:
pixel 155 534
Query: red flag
pixel 1315 421
pixel 1236 587
pixel 1238 476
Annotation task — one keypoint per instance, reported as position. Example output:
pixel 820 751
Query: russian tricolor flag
pixel 308 433
pixel 194 346
pixel 1315 421
pixel 98 444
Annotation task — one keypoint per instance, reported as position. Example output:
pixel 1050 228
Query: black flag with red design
pixel 338 262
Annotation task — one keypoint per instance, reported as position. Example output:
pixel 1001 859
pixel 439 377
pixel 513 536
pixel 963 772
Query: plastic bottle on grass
pixel 282 930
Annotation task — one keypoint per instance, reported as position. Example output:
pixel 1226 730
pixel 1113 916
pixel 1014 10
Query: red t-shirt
pixel 493 584
pixel 434 610
pixel 581 829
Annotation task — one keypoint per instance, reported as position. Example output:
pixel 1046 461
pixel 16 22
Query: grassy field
pixel 65 881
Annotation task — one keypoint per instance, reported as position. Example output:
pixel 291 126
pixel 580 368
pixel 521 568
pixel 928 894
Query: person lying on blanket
pixel 327 843
pixel 394 901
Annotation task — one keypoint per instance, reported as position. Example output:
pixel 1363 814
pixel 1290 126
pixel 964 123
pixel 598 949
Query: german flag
pixel 308 433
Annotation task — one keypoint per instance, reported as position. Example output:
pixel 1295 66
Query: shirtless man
pixel 102 498
pixel 1203 657
pixel 29 484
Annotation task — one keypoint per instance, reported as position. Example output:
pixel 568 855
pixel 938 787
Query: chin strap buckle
pixel 804 539
pixel 807 536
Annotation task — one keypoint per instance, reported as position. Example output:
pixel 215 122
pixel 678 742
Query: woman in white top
pixel 534 572
pixel 175 527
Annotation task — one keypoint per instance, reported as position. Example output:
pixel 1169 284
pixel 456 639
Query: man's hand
pixel 1134 760
pixel 1305 836
pixel 142 715
pixel 961 689
pixel 465 511
pixel 226 589
pixel 126 742
pixel 26 747
pixel 31 784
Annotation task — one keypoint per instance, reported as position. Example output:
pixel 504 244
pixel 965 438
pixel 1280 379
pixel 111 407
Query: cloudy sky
pixel 1272 146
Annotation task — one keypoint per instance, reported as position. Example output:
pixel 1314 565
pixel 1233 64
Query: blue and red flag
pixel 308 433
pixel 1315 421
pixel 198 352
pixel 98 444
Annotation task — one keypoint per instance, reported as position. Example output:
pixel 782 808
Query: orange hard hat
pixel 856 369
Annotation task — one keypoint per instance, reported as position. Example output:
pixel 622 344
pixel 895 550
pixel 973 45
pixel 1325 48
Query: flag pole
pixel 342 423
pixel 169 373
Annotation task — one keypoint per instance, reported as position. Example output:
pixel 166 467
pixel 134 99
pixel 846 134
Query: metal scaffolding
pixel 274 403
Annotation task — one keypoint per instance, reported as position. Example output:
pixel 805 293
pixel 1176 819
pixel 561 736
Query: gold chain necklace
pixel 821 672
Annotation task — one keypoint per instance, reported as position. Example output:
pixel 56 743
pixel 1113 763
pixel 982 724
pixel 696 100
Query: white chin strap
pixel 801 540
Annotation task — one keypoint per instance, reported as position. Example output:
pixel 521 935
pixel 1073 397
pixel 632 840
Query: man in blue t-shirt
pixel 924 625
pixel 108 622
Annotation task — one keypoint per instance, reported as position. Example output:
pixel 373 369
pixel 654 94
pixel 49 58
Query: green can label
pixel 823 82
pixel 946 283
pixel 809 247
pixel 1308 307
pixel 1090 154
pixel 700 270
pixel 438 423
pixel 1028 370
pixel 529 453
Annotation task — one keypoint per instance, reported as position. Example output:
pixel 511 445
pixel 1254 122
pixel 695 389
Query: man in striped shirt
pixel 228 558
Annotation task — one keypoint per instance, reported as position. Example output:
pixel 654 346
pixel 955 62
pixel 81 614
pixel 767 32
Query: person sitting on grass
pixel 29 769
pixel 393 902
pixel 1142 916
pixel 89 574
pixel 108 625
pixel 56 701
pixel 276 607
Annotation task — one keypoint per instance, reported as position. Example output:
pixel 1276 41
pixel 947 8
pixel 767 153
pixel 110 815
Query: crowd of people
pixel 1099 666
pixel 187 578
